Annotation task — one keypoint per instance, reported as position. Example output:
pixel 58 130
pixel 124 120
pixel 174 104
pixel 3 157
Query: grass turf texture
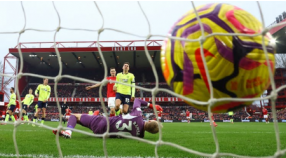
pixel 249 139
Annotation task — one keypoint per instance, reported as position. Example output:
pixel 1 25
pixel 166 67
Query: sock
pixel 117 112
pixel 111 115
pixel 26 118
pixel 43 120
pixel 12 117
pixel 34 119
pixel 69 131
pixel 72 122
pixel 7 117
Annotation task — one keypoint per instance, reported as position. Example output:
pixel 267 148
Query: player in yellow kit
pixel 124 93
pixel 29 99
pixel 11 106
pixel 43 92
pixel 230 115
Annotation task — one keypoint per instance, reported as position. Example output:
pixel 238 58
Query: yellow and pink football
pixel 236 64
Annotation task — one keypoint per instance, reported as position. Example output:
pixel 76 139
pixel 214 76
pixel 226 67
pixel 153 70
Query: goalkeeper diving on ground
pixel 131 124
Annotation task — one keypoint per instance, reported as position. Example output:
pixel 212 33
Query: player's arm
pixel 31 101
pixel 37 90
pixel 48 94
pixel 93 86
pixel 116 84
pixel 133 88
pixel 138 102
pixel 24 99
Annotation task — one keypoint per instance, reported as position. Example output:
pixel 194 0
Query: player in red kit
pixel 96 112
pixel 3 115
pixel 68 113
pixel 264 111
pixel 188 115
pixel 213 120
pixel 160 115
pixel 110 92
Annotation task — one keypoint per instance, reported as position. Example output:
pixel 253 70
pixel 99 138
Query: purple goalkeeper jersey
pixel 131 124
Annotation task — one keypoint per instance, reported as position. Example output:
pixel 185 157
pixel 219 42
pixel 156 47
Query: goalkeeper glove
pixel 158 107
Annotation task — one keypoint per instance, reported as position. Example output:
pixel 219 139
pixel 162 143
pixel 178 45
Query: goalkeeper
pixel 131 124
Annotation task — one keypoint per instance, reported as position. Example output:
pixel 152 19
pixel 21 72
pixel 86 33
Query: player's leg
pixel 11 112
pixel 37 112
pixel 230 118
pixel 111 105
pixel 3 117
pixel 159 119
pixel 82 119
pixel 121 108
pixel 8 114
pixel 24 112
pixel 265 117
pixel 125 103
pixel 118 101
pixel 15 114
pixel 23 115
pixel 125 108
pixel 73 120
pixel 36 116
pixel 63 117
pixel 43 115
pixel 213 120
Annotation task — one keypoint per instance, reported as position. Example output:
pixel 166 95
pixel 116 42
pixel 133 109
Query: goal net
pixel 218 153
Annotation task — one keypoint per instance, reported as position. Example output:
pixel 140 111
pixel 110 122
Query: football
pixel 236 64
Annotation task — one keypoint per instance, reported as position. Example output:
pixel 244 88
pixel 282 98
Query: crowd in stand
pixel 171 111
pixel 67 91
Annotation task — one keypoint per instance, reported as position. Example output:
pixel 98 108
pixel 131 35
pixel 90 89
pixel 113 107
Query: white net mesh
pixel 279 152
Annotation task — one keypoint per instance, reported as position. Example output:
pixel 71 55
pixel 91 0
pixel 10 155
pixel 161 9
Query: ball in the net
pixel 237 65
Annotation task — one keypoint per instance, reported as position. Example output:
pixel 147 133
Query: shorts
pixel 265 116
pixel 67 117
pixel 111 102
pixel 42 104
pixel 3 116
pixel 25 107
pixel 125 99
pixel 230 116
pixel 159 118
pixel 189 117
pixel 12 107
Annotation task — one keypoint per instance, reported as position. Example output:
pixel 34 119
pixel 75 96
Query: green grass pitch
pixel 249 139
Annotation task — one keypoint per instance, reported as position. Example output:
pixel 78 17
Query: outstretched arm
pixel 93 86
pixel 138 102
